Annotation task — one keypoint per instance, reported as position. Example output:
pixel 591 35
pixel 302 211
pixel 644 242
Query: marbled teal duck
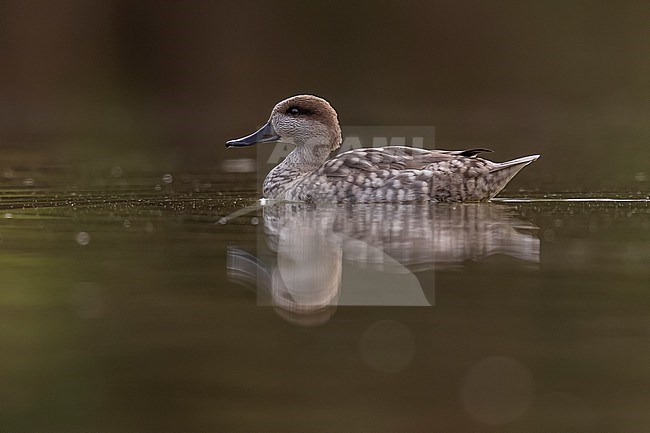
pixel 385 174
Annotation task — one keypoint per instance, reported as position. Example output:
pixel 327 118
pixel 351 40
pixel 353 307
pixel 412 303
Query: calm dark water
pixel 149 306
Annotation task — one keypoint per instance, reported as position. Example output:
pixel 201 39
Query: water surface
pixel 180 304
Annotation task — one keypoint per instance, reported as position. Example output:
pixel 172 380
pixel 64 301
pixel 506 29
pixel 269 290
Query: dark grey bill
pixel 265 134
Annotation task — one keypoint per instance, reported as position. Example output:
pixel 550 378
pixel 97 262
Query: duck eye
pixel 294 111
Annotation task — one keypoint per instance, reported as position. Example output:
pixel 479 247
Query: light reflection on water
pixel 312 258
pixel 588 200
pixel 117 311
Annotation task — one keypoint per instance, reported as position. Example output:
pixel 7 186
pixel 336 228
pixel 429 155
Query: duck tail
pixel 503 172
pixel 513 166
pixel 522 162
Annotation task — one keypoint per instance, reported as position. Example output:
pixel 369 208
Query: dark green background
pixel 87 85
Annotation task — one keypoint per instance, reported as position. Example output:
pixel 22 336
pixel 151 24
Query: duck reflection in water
pixel 312 258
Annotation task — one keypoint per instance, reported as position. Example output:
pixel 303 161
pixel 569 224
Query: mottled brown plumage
pixel 388 174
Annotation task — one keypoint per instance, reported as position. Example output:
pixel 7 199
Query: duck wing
pixel 403 174
pixel 470 153
pixel 392 158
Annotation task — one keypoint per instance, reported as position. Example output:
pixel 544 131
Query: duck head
pixel 303 120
